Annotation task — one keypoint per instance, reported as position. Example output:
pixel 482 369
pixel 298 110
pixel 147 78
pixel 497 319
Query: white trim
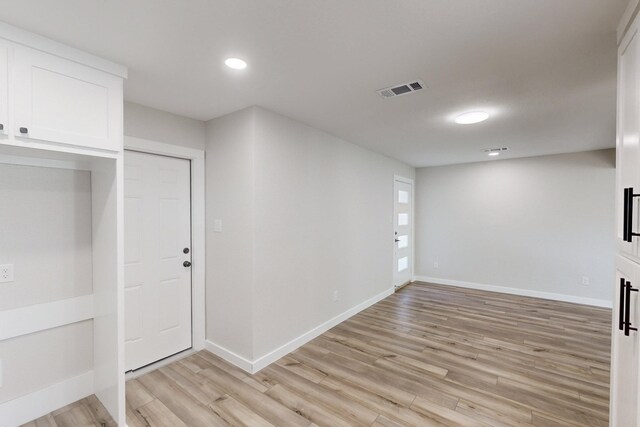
pixel 269 358
pixel 262 362
pixel 159 364
pixel 515 291
pixel 35 318
pixel 39 403
pixel 628 15
pixel 198 231
pixel 45 163
pixel 229 356
pixel 403 179
pixel 34 41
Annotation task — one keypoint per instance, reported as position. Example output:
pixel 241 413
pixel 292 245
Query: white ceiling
pixel 545 69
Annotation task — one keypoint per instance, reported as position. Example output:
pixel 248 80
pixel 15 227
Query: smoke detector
pixel 401 89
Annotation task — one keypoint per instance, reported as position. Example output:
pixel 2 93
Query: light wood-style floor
pixel 426 356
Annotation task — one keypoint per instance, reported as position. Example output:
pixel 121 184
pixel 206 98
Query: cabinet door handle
pixel 24 130
pixel 625 218
pixel 621 311
pixel 627 309
pixel 627 215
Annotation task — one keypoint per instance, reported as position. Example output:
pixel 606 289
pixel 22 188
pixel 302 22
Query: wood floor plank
pixel 137 395
pixel 155 413
pixel 428 355
pixel 179 401
pixel 346 407
pixel 237 414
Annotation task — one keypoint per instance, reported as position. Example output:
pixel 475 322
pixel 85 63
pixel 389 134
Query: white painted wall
pixel 323 210
pixel 304 213
pixel 35 361
pixel 538 224
pixel 229 198
pixel 45 224
pixel 148 123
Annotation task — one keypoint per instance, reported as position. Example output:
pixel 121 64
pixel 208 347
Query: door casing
pixel 198 258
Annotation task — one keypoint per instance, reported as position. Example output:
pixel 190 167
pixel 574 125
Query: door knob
pixel 185 250
pixel 397 240
pixel 186 264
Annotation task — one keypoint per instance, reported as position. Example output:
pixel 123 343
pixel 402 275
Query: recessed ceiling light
pixel 472 117
pixel 235 63
pixel 495 151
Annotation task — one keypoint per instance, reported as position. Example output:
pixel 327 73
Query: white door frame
pixel 197 227
pixel 413 228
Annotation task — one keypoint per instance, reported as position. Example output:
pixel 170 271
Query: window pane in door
pixel 403 264
pixel 403 242
pixel 403 219
pixel 403 196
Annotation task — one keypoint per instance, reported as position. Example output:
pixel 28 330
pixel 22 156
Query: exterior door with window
pixel 403 231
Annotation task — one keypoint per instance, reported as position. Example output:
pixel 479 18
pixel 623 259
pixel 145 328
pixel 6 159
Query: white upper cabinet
pixel 628 143
pixel 64 102
pixel 57 98
pixel 4 90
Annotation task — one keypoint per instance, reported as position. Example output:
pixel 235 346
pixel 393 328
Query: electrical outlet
pixel 6 273
pixel 585 280
pixel 436 264
pixel 335 295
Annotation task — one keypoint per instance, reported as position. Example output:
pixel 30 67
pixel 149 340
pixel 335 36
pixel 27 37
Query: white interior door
pixel 157 211
pixel 403 231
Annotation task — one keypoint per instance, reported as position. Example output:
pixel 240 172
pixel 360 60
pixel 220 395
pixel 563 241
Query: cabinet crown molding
pixel 627 18
pixel 34 41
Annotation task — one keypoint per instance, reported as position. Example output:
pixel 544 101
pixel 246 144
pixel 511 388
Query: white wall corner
pixel 515 291
pixel 262 362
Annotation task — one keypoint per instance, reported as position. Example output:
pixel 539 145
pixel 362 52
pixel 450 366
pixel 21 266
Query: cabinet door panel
pixel 625 349
pixel 628 135
pixel 61 101
pixel 4 88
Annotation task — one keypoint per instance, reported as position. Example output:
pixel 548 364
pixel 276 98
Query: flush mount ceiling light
pixel 235 63
pixel 494 153
pixel 471 117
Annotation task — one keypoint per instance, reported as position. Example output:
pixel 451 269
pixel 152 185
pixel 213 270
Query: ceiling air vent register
pixel 401 89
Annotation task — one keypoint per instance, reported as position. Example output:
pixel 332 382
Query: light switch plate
pixel 6 273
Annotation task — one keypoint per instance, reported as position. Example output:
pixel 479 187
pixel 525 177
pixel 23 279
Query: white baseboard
pixel 37 404
pixel 269 358
pixel 35 318
pixel 262 362
pixel 515 291
pixel 132 375
pixel 229 356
